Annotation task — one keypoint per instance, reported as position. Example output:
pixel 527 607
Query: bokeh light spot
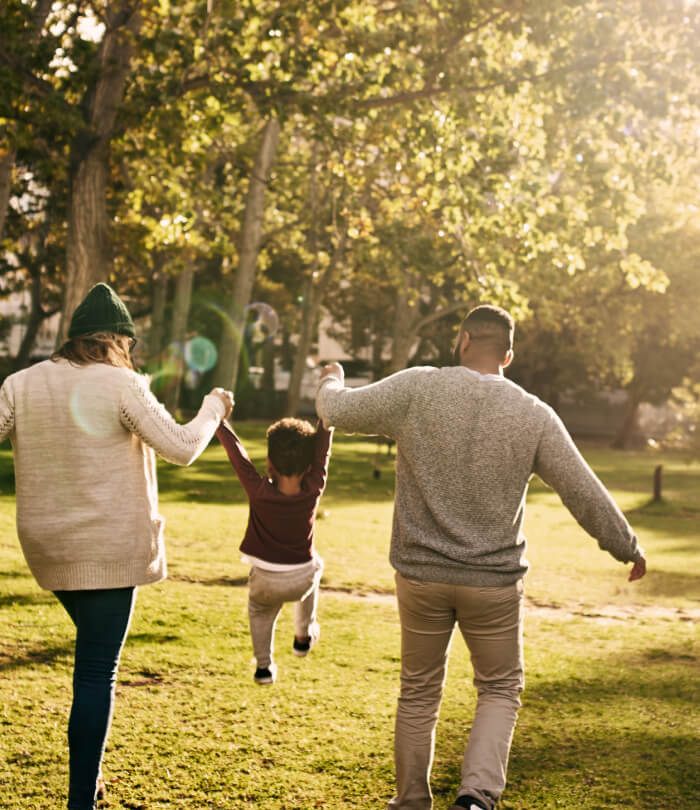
pixel 262 322
pixel 200 354
pixel 89 416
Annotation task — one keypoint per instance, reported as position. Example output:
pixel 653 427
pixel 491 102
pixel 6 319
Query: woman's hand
pixel 226 397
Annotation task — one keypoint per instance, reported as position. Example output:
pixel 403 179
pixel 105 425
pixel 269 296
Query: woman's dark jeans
pixel 101 618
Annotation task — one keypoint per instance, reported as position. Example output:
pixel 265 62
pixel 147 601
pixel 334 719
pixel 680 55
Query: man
pixel 468 441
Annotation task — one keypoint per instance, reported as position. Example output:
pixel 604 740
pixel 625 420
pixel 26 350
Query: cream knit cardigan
pixel 87 495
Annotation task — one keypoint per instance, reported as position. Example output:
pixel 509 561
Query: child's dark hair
pixel 291 444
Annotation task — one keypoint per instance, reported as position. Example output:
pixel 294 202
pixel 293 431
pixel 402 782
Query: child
pixel 278 542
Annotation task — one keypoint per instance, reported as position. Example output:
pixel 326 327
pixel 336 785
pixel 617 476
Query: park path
pixel 603 614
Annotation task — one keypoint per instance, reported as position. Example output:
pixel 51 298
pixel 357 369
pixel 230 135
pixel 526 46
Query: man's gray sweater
pixel 467 444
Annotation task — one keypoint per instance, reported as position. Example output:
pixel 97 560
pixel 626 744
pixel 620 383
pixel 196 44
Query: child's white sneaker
pixel 301 648
pixel 265 675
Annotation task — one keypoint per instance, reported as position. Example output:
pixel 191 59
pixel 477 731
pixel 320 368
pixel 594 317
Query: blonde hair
pixel 99 347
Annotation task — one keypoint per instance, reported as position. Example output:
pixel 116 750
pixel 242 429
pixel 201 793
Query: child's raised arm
pixel 244 467
pixel 319 469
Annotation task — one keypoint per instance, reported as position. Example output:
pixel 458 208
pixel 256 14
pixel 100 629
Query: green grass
pixel 609 716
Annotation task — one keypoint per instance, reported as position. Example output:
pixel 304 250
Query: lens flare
pixel 87 414
pixel 167 370
pixel 262 322
pixel 191 378
pixel 200 354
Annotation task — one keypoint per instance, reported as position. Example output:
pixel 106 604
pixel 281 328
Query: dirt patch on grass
pixel 144 677
pixel 611 614
pixel 234 582
pixel 603 614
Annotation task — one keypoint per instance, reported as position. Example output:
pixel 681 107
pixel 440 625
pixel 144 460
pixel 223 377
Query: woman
pixel 83 427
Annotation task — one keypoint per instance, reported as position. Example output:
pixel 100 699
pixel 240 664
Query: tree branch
pixel 441 313
pixel 431 92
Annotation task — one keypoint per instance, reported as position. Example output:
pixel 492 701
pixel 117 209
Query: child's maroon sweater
pixel 280 527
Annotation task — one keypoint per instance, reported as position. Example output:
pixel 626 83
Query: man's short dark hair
pixel 491 326
pixel 291 444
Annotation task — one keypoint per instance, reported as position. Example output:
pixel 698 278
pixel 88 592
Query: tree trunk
pixel 39 15
pixel 34 321
pixel 377 354
pixel 160 299
pixel 408 324
pixel 268 381
pixel 313 299
pixel 629 419
pixel 231 339
pixel 7 162
pixel 312 306
pixel 88 258
pixel 403 332
pixel 181 313
pixel 88 254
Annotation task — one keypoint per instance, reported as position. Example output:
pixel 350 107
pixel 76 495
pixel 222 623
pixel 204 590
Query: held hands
pixel 335 369
pixel 638 570
pixel 226 397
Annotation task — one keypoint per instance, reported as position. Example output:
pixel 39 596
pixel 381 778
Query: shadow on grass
pixel 574 734
pixel 235 582
pixel 683 517
pixel 651 767
pixel 667 583
pixel 16 575
pixel 23 599
pixel 212 480
pixel 38 654
pixel 152 638
pixel 671 529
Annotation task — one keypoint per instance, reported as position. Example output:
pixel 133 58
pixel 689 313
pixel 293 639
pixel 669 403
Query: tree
pixel 472 150
pixel 662 330
pixel 19 57
pixel 89 253
pixel 251 235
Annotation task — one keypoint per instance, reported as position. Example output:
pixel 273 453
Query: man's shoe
pixel 467 803
pixel 265 675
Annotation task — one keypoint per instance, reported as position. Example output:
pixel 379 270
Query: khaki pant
pixel 268 591
pixel 490 620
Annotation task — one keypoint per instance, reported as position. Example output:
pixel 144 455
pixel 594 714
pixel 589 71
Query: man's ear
pixel 508 359
pixel 464 343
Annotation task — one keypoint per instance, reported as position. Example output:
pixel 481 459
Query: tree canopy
pixel 390 163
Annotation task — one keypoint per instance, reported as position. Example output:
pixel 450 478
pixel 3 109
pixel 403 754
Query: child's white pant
pixel 268 591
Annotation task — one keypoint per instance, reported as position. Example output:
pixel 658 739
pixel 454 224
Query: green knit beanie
pixel 102 310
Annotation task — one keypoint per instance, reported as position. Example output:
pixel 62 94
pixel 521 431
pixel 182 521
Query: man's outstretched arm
pixel 374 408
pixel 561 465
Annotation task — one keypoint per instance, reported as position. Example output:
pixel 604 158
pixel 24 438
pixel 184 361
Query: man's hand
pixel 335 369
pixel 226 397
pixel 638 570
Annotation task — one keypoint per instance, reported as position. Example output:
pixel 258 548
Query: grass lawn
pixel 610 713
